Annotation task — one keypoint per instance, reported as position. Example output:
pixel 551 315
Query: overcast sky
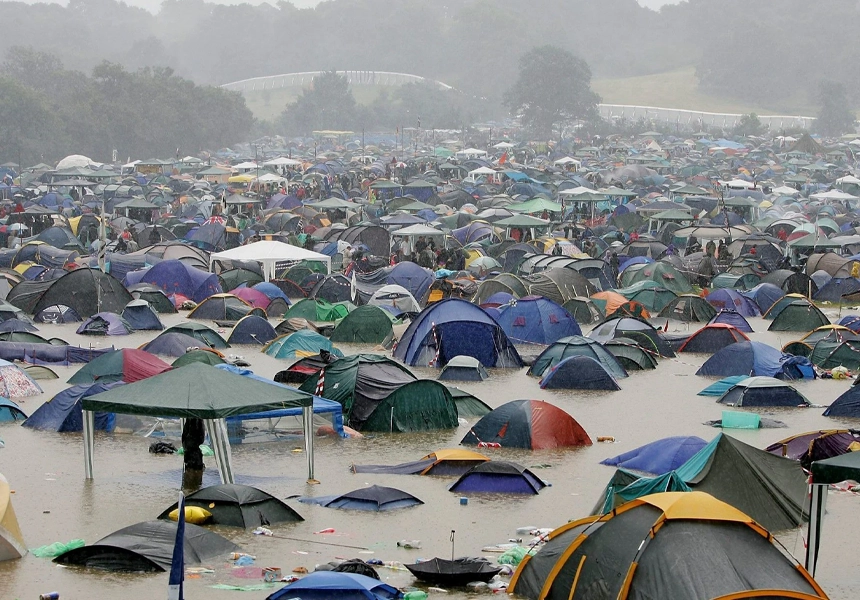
pixel 152 5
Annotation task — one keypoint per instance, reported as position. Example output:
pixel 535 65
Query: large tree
pixel 327 104
pixel 835 116
pixel 553 89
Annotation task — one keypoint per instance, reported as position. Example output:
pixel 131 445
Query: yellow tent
pixel 12 544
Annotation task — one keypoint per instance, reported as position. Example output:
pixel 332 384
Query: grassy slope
pixel 679 89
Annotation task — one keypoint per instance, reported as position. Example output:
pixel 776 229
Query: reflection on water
pixel 54 503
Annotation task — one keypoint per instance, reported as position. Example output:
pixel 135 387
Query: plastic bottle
pixel 415 595
pixel 409 544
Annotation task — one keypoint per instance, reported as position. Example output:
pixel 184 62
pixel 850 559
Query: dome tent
pixel 578 373
pixel 531 424
pixel 576 345
pixel 762 391
pixel 536 320
pixel 454 327
pixel 660 456
pixel 496 476
pixel 711 550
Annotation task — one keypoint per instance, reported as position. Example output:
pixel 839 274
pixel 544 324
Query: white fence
pixel 274 82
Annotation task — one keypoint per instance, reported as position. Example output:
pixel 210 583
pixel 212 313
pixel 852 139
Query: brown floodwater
pixel 54 502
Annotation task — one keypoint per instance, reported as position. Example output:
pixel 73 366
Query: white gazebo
pixel 271 255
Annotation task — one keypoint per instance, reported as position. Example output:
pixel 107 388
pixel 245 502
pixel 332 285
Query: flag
pixel 177 566
pixel 504 158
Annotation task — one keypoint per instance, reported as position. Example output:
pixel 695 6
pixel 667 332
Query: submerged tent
pixel 374 498
pixel 463 368
pixel 177 277
pixel 105 323
pixel 127 364
pixel 530 424
pixel 224 307
pixel 744 358
pixel 578 373
pixel 148 547
pixel 172 344
pixel 64 411
pixel 322 585
pixel 576 345
pixel 365 325
pixel 446 462
pixel 12 544
pixel 252 330
pixel 712 338
pixel 762 391
pixel 454 327
pixel 85 291
pixel 846 405
pixel 669 545
pixel 689 308
pixel 317 310
pixel 15 383
pixel 202 333
pixel 638 330
pixel 299 343
pixel 660 456
pixel 237 505
pixel 500 477
pixel 395 296
pixel 630 355
pixel 141 317
pixel 536 320
pixel 800 315
pixel 816 445
pixel 765 295
pixel 9 411
pixel 728 299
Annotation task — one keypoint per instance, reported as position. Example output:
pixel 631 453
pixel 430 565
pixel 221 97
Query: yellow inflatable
pixel 193 514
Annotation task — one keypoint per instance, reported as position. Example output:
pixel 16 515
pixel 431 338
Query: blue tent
pixel 729 299
pixel 733 318
pixel 718 388
pixel 272 291
pixel 852 322
pixel 578 373
pixel 63 412
pixel 9 411
pixel 252 330
pixel 496 476
pixel 141 317
pixel 176 277
pixel 747 358
pixel 322 585
pixel 660 456
pixel 846 405
pixel 833 290
pixel 454 327
pixel 303 340
pixel 417 280
pixel 104 323
pixel 536 320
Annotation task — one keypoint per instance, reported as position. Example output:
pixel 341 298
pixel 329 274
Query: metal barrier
pixel 697 117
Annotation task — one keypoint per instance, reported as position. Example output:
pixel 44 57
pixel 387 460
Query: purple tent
pixel 105 323
pixel 733 318
pixel 729 299
pixel 176 277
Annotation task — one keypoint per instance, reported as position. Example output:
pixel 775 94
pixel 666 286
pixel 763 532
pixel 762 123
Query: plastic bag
pixel 514 556
pixel 55 549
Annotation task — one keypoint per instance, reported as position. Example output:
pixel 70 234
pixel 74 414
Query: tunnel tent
pixel 576 345
pixel 148 547
pixel 689 308
pixel 710 548
pixel 454 327
pixel 203 392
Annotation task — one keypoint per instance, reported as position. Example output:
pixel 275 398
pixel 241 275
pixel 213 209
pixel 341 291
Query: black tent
pixel 86 291
pixel 148 547
pixel 238 506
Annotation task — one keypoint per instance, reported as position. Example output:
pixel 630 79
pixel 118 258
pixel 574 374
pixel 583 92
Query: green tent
pixel 198 356
pixel 421 405
pixel 690 308
pixel 631 356
pixel 800 315
pixel 200 332
pixel 304 341
pixel 468 405
pixel 649 294
pixel 365 325
pixel 304 269
pixel 827 355
pixel 363 382
pixel 197 391
pixel 317 310
pixel 664 274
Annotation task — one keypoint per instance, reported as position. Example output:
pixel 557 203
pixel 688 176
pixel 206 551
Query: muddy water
pixel 54 503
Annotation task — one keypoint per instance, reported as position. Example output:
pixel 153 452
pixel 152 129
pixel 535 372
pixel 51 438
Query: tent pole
pixel 817 504
pixel 88 427
pixel 217 430
pixel 307 425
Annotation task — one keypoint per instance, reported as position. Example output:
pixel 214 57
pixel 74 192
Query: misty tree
pixel 835 116
pixel 749 125
pixel 327 104
pixel 26 123
pixel 553 88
